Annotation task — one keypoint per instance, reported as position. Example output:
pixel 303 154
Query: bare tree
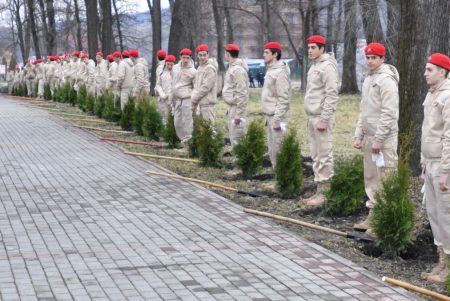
pixel 14 6
pixel 107 32
pixel 229 24
pixel 51 37
pixel 92 26
pixel 44 23
pixel 183 27
pixel 393 17
pixel 78 25
pixel 330 32
pixel 371 21
pixel 349 80
pixel 155 11
pixel 32 21
pixel 218 20
pixel 119 30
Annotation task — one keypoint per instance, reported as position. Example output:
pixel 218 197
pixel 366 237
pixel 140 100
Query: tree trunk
pixel 32 21
pixel 183 29
pixel 412 87
pixel 107 32
pixel 338 25
pixel 349 80
pixel 330 33
pixel 218 20
pixel 119 31
pixel 27 40
pixel 92 26
pixel 304 16
pixel 440 23
pixel 155 11
pixel 44 24
pixel 393 17
pixel 78 25
pixel 314 17
pixel 371 21
pixel 18 20
pixel 51 37
pixel 229 21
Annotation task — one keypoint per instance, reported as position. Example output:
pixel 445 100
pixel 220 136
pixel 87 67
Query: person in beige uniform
pixel 142 84
pixel 112 79
pixel 435 160
pixel 204 95
pixel 377 128
pixel 40 77
pixel 29 75
pixel 101 74
pixel 163 87
pixel 320 106
pixel 50 70
pixel 235 93
pixel 182 86
pixel 125 79
pixel 275 97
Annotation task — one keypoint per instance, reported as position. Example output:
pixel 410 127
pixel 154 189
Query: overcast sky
pixel 143 6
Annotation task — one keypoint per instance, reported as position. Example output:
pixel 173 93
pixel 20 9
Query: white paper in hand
pixel 378 158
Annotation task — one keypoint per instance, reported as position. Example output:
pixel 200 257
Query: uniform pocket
pixel 313 106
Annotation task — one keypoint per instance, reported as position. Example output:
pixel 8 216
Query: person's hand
pixel 443 181
pixel 357 143
pixel 321 126
pixel 276 126
pixel 237 120
pixel 376 147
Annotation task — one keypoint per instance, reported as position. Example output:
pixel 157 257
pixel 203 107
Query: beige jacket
pixel 436 127
pixel 112 75
pixel 81 72
pixel 40 71
pixel 141 76
pixel 205 84
pixel 183 81
pixel 235 88
pixel 29 72
pixel 276 92
pixel 50 71
pixel 159 69
pixel 125 74
pixel 101 74
pixel 163 87
pixel 379 107
pixel 90 72
pixel 322 89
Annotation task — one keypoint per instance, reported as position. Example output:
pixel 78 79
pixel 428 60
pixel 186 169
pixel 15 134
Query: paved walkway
pixel 81 220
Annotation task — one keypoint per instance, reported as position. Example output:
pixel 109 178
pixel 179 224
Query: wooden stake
pixel 162 157
pixel 67 114
pixel 156 145
pixel 102 130
pixel 416 289
pixel 192 180
pixel 86 119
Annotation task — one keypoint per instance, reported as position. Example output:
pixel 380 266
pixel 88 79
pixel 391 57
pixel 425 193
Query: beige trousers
pixel 373 175
pixel 164 109
pixel 125 93
pixel 207 113
pixel 183 119
pixel 274 139
pixel 321 145
pixel 30 86
pixel 236 131
pixel 438 206
pixel 41 84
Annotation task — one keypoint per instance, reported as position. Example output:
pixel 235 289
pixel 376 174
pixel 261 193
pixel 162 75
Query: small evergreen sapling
pixel 47 92
pixel 209 144
pixel 194 141
pixel 139 116
pixel 288 170
pixel 109 107
pixel 251 148
pixel 127 118
pixel 152 123
pixel 170 135
pixel 99 106
pixel 81 98
pixel 90 103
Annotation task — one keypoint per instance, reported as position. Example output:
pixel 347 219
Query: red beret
pixel 161 54
pixel 125 53
pixel 76 53
pixel 117 54
pixel 375 49
pixel 170 58
pixel 99 53
pixel 110 57
pixel 84 55
pixel 440 60
pixel 232 47
pixel 52 58
pixel 201 47
pixel 67 54
pixel 316 39
pixel 185 51
pixel 273 45
pixel 134 53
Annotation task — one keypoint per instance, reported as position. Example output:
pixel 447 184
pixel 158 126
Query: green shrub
pixel 34 88
pixel 288 170
pixel 47 92
pixel 193 142
pixel 81 98
pixel 14 91
pixel 251 148
pixel 209 144
pixel 99 106
pixel 139 116
pixel 393 215
pixel 109 107
pixel 90 103
pixel 56 94
pixel 170 135
pixel 127 118
pixel 152 123
pixel 447 282
pixel 346 192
